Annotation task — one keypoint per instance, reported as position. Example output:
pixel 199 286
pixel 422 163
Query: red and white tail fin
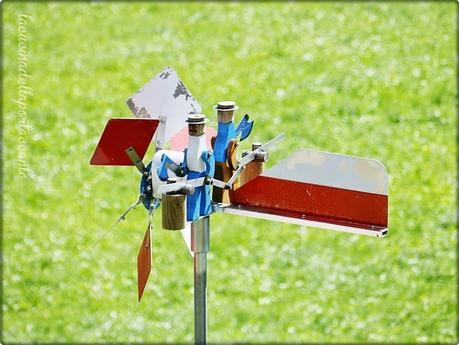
pixel 319 189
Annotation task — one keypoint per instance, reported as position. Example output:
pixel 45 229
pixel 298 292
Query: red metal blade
pixel 144 263
pixel 120 134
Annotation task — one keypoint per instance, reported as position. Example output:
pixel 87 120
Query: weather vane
pixel 202 173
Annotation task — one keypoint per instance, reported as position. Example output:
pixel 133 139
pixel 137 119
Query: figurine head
pixel 225 111
pixel 196 124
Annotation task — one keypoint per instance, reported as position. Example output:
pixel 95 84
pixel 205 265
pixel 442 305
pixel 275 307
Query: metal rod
pixel 200 231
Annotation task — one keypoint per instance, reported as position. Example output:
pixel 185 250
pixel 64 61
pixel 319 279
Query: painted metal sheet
pixel 164 97
pixel 144 263
pixel 320 187
pixel 120 134
pixel 333 170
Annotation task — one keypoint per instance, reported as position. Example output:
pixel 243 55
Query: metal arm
pixel 251 156
pixel 186 184
pixel 134 157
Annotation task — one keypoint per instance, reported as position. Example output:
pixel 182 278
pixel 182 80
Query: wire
pixel 121 218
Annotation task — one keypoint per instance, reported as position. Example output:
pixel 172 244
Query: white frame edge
pixel 239 211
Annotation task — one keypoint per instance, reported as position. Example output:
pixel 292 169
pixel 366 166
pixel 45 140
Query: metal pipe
pixel 200 231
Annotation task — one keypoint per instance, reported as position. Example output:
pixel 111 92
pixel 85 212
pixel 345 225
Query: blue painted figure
pixel 225 143
pixel 226 129
pixel 198 162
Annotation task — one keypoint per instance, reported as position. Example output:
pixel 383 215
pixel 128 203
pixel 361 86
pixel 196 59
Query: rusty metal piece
pixel 144 263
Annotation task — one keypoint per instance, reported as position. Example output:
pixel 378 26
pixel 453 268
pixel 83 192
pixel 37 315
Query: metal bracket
pixel 134 157
pixel 197 182
pixel 161 132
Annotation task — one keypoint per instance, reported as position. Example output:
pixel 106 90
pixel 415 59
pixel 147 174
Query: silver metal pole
pixel 200 233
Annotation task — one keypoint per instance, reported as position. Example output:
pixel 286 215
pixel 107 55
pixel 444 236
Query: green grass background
pixel 366 79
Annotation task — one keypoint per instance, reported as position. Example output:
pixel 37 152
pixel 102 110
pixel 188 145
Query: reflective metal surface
pixel 200 246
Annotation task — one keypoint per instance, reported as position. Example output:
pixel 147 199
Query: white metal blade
pixel 164 97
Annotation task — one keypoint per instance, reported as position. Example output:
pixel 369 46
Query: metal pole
pixel 200 230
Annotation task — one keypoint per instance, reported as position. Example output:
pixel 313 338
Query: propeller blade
pixel 166 98
pixel 144 263
pixel 120 135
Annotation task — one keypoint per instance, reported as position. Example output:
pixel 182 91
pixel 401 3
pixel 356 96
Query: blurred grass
pixel 372 79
